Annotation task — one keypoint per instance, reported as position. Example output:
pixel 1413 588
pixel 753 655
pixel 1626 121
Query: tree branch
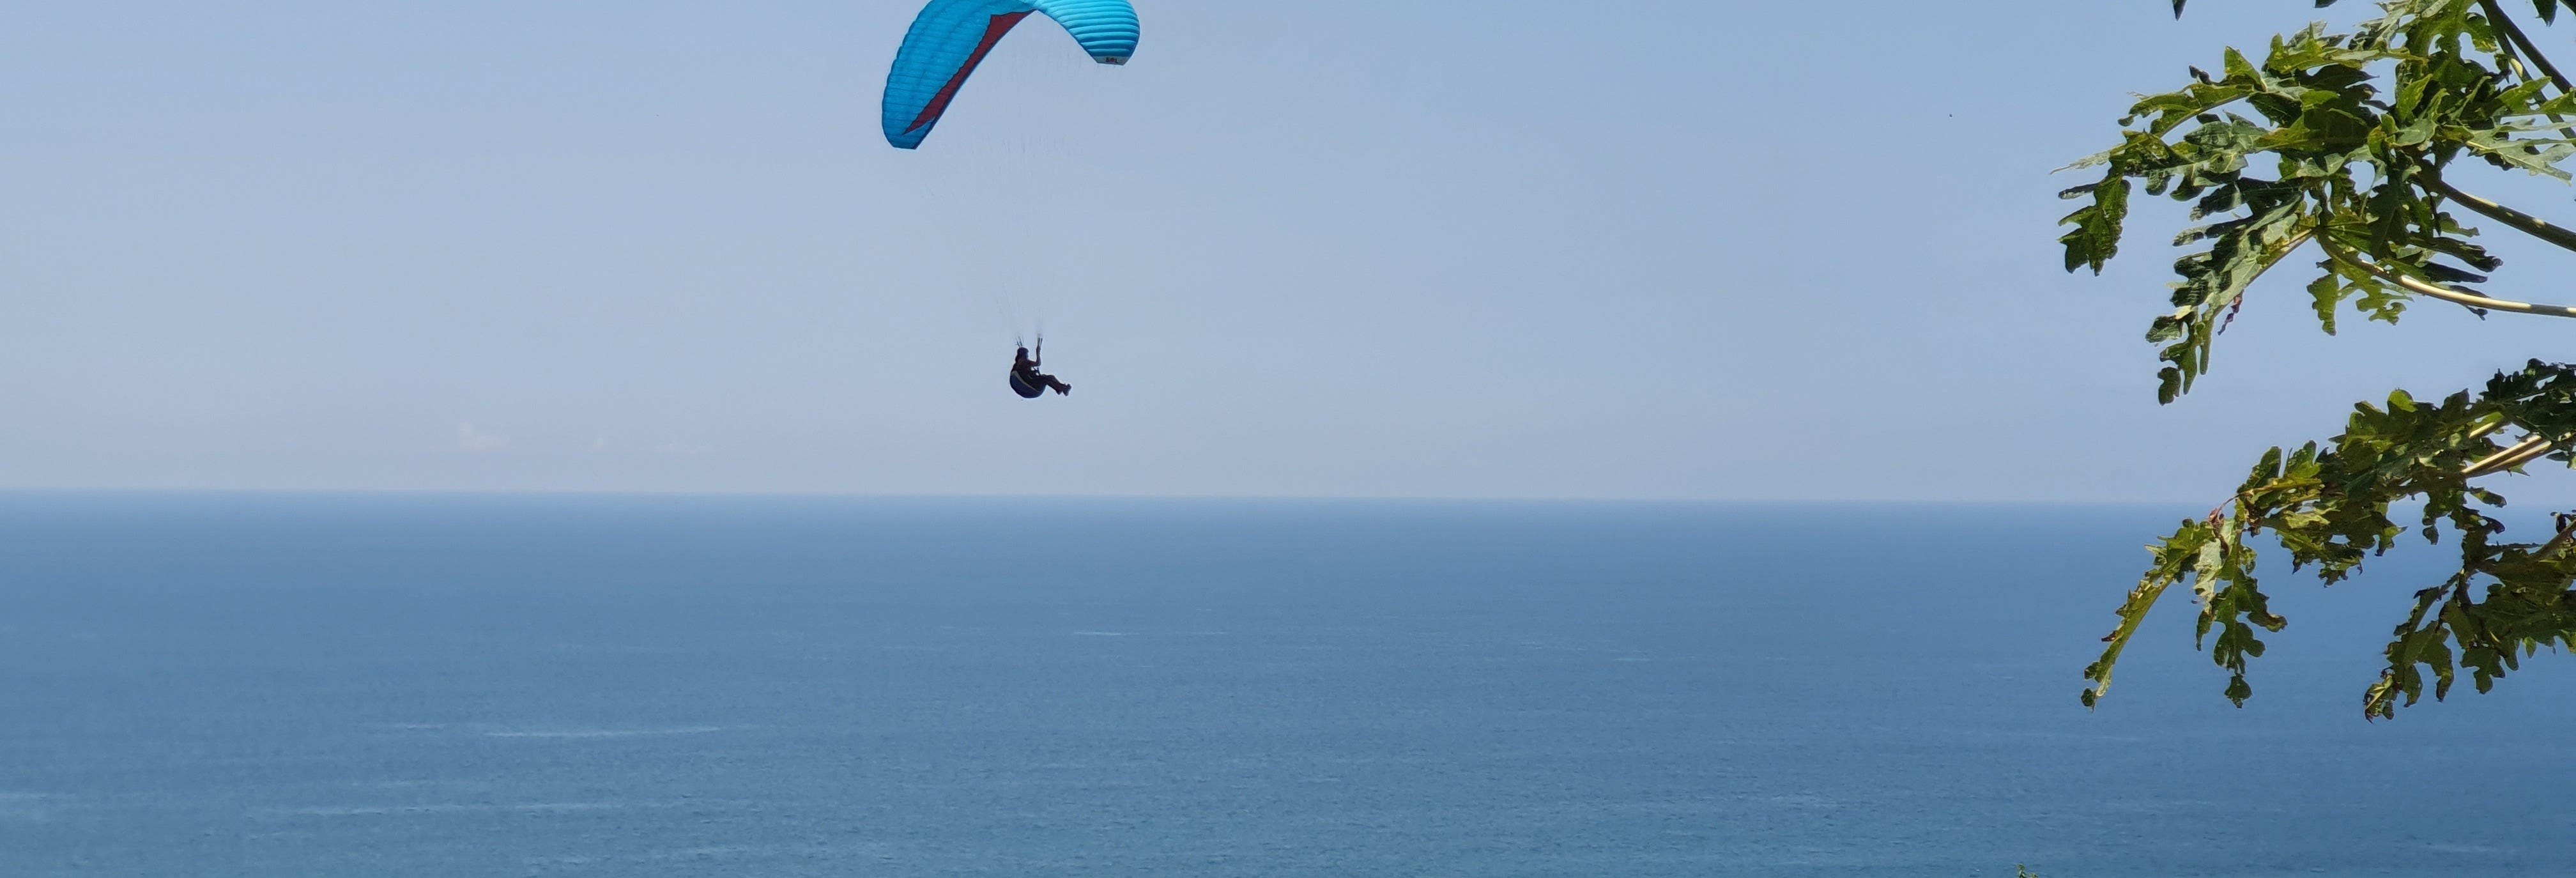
pixel 2438 291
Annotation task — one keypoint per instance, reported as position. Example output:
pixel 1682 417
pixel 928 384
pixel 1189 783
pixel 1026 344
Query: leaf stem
pixel 2517 46
pixel 2438 291
pixel 2522 44
pixel 2530 448
pixel 2522 222
pixel 2566 533
pixel 2490 426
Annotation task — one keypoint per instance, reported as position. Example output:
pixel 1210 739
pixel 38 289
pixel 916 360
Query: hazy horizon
pixel 1364 499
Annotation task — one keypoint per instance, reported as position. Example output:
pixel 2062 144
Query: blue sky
pixel 1646 249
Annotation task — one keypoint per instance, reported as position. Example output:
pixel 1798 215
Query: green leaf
pixel 2096 237
pixel 2174 556
pixel 2329 292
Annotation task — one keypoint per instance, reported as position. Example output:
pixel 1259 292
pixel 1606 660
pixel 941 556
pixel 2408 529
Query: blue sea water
pixel 257 685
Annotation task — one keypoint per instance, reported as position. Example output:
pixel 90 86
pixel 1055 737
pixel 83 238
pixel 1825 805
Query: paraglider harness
pixel 1025 378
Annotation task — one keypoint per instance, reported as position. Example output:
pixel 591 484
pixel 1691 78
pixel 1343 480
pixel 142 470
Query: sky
pixel 1395 248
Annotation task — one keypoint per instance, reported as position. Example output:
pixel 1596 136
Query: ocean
pixel 456 685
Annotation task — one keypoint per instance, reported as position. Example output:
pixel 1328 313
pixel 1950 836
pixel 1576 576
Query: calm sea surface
pixel 240 685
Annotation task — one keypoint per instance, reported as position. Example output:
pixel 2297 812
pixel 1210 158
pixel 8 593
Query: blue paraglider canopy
pixel 950 37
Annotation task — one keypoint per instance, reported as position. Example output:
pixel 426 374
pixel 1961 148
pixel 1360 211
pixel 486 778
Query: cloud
pixel 472 442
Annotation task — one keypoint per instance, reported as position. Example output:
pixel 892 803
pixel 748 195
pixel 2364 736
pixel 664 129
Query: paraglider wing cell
pixel 950 37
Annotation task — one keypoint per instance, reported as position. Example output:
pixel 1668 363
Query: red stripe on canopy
pixel 993 31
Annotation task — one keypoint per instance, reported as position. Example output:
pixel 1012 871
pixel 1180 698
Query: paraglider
pixel 1030 383
pixel 950 37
